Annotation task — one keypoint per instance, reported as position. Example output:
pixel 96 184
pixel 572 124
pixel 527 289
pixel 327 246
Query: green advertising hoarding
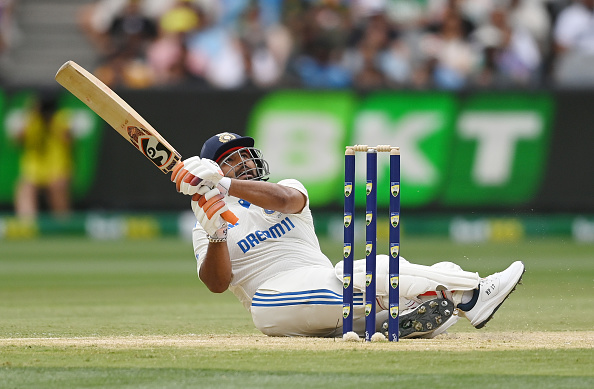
pixel 85 129
pixel 487 149
pixel 302 135
pixel 501 149
pixel 421 125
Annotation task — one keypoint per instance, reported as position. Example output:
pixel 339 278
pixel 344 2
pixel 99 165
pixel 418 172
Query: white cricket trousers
pixel 308 301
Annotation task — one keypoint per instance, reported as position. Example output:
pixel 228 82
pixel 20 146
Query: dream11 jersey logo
pixel 152 148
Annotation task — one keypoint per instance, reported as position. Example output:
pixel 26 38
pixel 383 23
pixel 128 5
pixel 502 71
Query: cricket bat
pixel 123 118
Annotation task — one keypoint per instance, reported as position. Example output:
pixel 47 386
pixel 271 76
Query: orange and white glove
pixel 208 209
pixel 194 173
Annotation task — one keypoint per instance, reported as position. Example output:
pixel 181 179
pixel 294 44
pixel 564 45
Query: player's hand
pixel 208 209
pixel 196 173
pixel 181 172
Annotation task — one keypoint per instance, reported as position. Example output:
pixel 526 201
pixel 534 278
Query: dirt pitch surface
pixel 464 341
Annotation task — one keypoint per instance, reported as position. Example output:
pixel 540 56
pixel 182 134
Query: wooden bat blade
pixel 123 118
pixel 118 114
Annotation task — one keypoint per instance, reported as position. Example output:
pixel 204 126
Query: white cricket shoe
pixel 492 292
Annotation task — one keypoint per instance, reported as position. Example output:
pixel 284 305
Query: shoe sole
pixel 482 324
pixel 424 319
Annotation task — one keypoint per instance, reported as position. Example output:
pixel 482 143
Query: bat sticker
pixel 151 147
pixel 155 150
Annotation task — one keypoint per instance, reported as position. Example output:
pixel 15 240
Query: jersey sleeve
pixel 200 242
pixel 295 184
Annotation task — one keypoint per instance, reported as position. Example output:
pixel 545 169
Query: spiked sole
pixel 482 324
pixel 424 319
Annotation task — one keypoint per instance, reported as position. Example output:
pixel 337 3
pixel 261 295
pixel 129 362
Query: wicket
pixel 371 239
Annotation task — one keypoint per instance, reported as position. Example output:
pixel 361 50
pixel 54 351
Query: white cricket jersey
pixel 265 243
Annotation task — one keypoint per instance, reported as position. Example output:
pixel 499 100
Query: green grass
pixel 68 287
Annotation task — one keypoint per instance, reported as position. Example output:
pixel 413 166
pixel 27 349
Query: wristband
pixel 225 182
pixel 217 240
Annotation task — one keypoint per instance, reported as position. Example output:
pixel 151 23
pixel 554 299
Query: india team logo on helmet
pixel 395 188
pixel 394 281
pixel 394 219
pixel 368 248
pixel 348 189
pixel 225 137
pixel 348 218
pixel 368 279
pixel 368 218
pixel 394 249
pixel 369 188
pixel 394 311
pixel 346 251
pixel 346 311
pixel 346 281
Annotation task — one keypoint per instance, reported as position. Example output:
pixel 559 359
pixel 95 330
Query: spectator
pixel 321 31
pixel 319 67
pixel 46 160
pixel 123 42
pixel 128 38
pixel 375 58
pixel 167 54
pixel 95 19
pixel 511 52
pixel 6 24
pixel 450 59
pixel 327 43
pixel 8 31
pixel 266 44
pixel 532 16
pixel 215 55
pixel 574 44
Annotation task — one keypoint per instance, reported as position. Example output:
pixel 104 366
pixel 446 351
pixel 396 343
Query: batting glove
pixel 208 209
pixel 196 173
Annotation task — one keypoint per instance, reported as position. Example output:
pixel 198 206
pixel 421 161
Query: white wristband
pixel 225 183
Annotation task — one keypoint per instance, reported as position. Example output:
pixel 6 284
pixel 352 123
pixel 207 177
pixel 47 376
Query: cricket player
pixel 271 259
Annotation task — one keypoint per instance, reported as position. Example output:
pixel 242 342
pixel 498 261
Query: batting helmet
pixel 219 147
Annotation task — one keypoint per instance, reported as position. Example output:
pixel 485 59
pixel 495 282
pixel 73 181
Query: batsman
pixel 270 259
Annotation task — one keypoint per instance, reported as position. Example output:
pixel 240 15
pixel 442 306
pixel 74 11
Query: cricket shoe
pixel 491 293
pixel 424 319
pixel 444 327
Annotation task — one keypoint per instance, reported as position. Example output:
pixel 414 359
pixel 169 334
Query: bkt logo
pixel 479 149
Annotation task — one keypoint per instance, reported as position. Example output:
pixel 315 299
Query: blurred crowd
pixel 7 29
pixel 447 44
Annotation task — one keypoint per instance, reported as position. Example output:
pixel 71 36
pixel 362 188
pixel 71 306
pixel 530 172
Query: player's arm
pixel 198 172
pixel 215 270
pixel 269 195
